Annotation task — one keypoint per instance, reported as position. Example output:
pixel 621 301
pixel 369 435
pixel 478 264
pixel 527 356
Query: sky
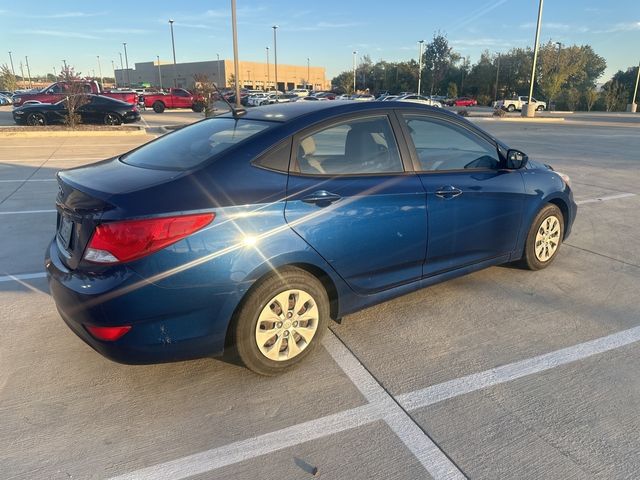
pixel 326 32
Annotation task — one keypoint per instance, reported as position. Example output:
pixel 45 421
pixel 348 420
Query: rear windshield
pixel 193 145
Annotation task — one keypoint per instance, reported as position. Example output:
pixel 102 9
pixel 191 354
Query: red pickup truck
pixel 176 98
pixel 59 90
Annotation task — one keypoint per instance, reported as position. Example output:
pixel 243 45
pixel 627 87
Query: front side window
pixel 358 146
pixel 444 146
pixel 195 144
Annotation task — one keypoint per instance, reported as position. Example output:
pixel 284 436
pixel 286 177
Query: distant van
pixel 301 92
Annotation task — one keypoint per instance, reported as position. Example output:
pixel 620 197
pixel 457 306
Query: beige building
pixel 253 75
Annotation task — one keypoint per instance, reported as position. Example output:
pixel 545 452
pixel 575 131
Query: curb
pixel 70 133
pixel 523 119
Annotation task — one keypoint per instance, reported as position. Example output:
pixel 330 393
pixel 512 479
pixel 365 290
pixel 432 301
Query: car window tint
pixel 190 146
pixel 277 158
pixel 359 146
pixel 444 146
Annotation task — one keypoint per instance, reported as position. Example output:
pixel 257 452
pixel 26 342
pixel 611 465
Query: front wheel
pixel 540 108
pixel 36 120
pixel 281 321
pixel 112 119
pixel 511 108
pixel 544 238
pixel 158 107
pixel 197 107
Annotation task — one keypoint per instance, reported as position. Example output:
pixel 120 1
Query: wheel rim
pixel 36 119
pixel 547 238
pixel 111 119
pixel 287 325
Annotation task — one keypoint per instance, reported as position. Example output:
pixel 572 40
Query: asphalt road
pixel 504 373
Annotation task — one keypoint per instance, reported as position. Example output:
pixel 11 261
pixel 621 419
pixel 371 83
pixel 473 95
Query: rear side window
pixel 195 144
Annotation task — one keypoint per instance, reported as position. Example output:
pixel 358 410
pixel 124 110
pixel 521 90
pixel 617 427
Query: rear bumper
pixel 167 324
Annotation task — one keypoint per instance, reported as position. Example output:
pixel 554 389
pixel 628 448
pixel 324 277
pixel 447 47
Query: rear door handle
pixel 448 192
pixel 321 197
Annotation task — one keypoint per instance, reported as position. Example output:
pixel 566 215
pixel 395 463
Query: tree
pixel 76 95
pixel 8 80
pixel 205 88
pixel 614 95
pixel 452 90
pixel 556 66
pixel 343 82
pixel 590 98
pixel 438 58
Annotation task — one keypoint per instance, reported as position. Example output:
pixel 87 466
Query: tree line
pixel 566 75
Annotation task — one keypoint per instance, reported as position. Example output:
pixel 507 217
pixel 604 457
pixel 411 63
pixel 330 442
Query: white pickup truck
pixel 514 104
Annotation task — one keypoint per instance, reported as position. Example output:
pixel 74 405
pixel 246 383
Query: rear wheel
pixel 281 321
pixel 544 238
pixel 112 119
pixel 197 107
pixel 36 120
pixel 158 107
pixel 540 108
pixel 511 108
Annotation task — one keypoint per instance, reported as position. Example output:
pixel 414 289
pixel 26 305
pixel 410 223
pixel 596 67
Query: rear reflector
pixel 107 334
pixel 128 240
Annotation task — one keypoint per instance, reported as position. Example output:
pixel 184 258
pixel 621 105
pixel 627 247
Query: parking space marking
pixel 379 409
pixel 18 277
pixel 27 211
pixel 24 180
pixel 254 447
pixel 434 460
pixel 605 199
pixel 506 373
pixel 25 160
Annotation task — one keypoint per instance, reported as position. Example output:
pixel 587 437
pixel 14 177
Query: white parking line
pixel 22 276
pixel 29 180
pixel 27 211
pixel 25 160
pixel 378 409
pixel 605 199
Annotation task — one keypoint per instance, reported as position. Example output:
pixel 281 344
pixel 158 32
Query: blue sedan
pixel 250 231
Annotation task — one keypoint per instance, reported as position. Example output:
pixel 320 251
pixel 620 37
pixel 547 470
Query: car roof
pixel 286 112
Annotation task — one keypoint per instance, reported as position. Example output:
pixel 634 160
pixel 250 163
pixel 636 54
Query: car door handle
pixel 321 197
pixel 448 192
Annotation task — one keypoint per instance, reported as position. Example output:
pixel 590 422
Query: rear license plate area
pixel 64 232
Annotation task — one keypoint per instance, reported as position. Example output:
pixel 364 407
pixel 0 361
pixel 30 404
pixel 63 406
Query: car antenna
pixel 237 112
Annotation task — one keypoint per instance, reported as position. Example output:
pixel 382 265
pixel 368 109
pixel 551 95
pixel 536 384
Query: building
pixel 252 75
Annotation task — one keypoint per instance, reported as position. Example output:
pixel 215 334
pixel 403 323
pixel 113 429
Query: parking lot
pixel 504 373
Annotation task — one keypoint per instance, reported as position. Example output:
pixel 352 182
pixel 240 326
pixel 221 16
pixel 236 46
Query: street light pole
pixel 236 66
pixel 126 59
pixel 159 72
pixel 635 92
pixel 11 60
pixel 173 46
pixel 275 59
pixel 355 52
pixel 28 71
pixel 420 43
pixel 100 72
pixel 22 74
pixel 529 111
pixel 308 72
pixel 218 77
pixel 268 77
pixel 497 74
pixel 113 67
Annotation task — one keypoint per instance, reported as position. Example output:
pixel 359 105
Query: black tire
pixel 511 108
pixel 261 297
pixel 36 120
pixel 112 119
pixel 530 260
pixel 158 106
pixel 540 108
pixel 197 107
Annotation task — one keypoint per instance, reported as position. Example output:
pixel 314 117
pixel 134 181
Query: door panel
pixel 350 200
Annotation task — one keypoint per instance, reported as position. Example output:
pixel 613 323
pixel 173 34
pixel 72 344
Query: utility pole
pixel 268 78
pixel 529 110
pixel 126 59
pixel 308 73
pixel 113 67
pixel 26 59
pixel 236 66
pixel 218 78
pixel 634 105
pixel 11 60
pixel 420 43
pixel 100 72
pixel 275 59
pixel 173 46
pixel 22 75
pixel 497 75
pixel 355 52
pixel 159 72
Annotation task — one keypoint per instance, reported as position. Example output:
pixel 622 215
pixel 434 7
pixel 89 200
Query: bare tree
pixel 76 90
pixel 205 89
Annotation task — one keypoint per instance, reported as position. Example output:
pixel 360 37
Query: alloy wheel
pixel 547 238
pixel 286 325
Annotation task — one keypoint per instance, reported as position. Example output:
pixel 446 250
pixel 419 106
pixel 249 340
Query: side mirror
pixel 516 159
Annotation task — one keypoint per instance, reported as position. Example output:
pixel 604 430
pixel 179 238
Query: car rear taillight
pixel 128 240
pixel 107 334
